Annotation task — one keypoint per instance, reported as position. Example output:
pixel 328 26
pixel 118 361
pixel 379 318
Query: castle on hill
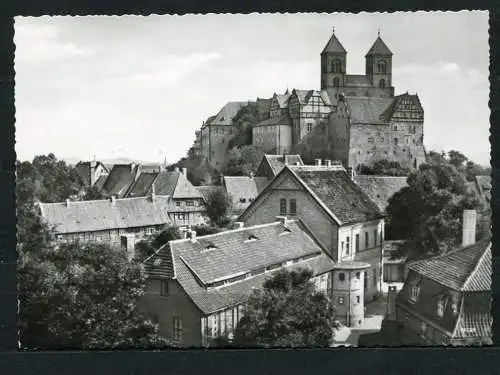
pixel 360 114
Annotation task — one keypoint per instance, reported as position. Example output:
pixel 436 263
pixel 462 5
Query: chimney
pixel 221 179
pixel 297 163
pixel 282 219
pixel 251 175
pixel 317 162
pixel 184 232
pixel 391 303
pixel 113 198
pixel 328 162
pixel 193 236
pixel 128 245
pixel 468 227
pixel 185 172
pixel 285 159
pixel 67 202
pixel 239 224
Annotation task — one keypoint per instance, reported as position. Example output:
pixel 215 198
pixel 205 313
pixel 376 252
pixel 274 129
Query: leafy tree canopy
pixel 465 166
pixel 78 296
pixel 243 122
pixel 427 214
pixel 218 206
pixel 287 312
pixel 243 160
pixel 384 167
pixel 148 247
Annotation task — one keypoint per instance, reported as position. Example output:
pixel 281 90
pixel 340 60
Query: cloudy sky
pixel 140 86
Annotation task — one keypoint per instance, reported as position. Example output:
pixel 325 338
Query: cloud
pixel 449 68
pixel 168 70
pixel 41 44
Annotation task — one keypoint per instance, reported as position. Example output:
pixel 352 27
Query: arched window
pixel 335 66
pixel 382 67
pixel 336 82
pixel 381 84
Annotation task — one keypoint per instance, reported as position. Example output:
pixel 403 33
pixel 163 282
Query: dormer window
pixel 440 307
pixel 414 292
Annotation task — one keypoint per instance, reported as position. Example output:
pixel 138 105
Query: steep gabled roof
pixel 120 178
pixel 380 188
pixel 239 256
pixel 333 46
pixel 227 113
pixel 101 181
pixel 334 189
pixel 142 185
pixel 379 48
pixel 367 110
pixel 90 216
pixel 465 269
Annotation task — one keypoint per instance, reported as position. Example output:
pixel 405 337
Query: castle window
pixel 309 127
pixel 358 275
pixel 358 299
pixel 396 141
pixel 282 206
pixel 374 276
pixel 336 82
pixel 365 280
pixel 370 140
pixel 381 83
pixel 347 245
pixel 293 207
pixel 356 243
pixel 366 241
pixel 336 66
pixel 340 300
pixel 341 276
pixel 395 127
pixel 382 139
pixel 382 67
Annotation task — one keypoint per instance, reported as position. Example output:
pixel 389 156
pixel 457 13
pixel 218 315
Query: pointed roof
pixel 334 46
pixel 379 48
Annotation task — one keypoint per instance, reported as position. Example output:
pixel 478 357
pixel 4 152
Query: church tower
pixel 379 66
pixel 333 64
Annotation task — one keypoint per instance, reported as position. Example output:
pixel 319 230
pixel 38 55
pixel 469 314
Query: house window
pixel 358 275
pixel 293 207
pixel 356 243
pixel 366 280
pixel 189 203
pixel 414 291
pixel 366 240
pixel 342 247
pixel 375 237
pixel 374 276
pixel 340 300
pixel 243 200
pixel 178 204
pixel 177 331
pixel 309 127
pixel 381 84
pixel 164 288
pixel 282 206
pixel 440 308
pixel 358 299
pixel 347 245
pixel 341 276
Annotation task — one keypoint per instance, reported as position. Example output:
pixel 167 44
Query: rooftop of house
pixel 97 215
pixel 172 183
pixel 338 193
pixel 220 270
pixel 380 188
pixel 467 268
pixel 226 114
pixel 277 162
pixel 120 178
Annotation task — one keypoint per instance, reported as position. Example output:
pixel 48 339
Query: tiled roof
pixel 160 265
pixel 389 112
pixel 303 95
pixel 333 187
pixel 484 186
pixel 277 162
pixel 263 106
pixel 238 187
pixel 171 183
pixel 281 120
pixel 142 185
pixel 467 268
pixel 367 110
pixel 379 48
pixel 227 113
pixel 195 266
pixel 120 178
pixel 380 188
pixel 475 318
pixel 357 80
pixel 99 184
pixel 333 46
pixel 89 216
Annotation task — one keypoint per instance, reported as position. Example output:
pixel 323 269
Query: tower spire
pixel 333 29
pixel 378 32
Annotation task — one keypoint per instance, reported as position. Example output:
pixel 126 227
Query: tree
pixel 243 122
pixel 148 247
pixel 243 160
pixel 456 158
pixel 218 206
pixel 78 296
pixel 94 193
pixel 384 167
pixel 287 312
pixel 427 213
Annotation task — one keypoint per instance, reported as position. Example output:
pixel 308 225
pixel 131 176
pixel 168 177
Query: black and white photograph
pixel 253 180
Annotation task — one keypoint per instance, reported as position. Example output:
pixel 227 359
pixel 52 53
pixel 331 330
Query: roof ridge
pixel 107 200
pixel 476 267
